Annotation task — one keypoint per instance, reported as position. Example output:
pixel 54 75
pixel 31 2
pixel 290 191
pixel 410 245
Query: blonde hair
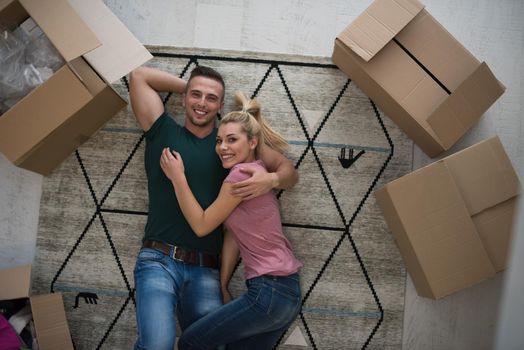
pixel 253 124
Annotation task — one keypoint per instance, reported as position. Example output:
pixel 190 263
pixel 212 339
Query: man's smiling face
pixel 202 101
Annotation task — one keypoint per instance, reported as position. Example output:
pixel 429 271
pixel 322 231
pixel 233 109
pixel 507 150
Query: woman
pixel 259 317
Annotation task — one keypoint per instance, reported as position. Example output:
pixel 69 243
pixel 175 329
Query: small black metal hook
pixel 89 298
pixel 347 162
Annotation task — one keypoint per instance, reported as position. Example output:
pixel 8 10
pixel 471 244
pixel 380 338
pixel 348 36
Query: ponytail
pixel 250 117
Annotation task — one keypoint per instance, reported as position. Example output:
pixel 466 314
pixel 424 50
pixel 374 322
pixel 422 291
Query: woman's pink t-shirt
pixel 257 229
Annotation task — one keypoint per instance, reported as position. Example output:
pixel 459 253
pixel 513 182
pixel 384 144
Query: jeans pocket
pixel 273 295
pixel 285 305
pixel 148 256
pixel 288 286
pixel 288 293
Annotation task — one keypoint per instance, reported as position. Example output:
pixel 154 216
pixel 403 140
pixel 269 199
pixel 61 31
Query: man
pixel 176 272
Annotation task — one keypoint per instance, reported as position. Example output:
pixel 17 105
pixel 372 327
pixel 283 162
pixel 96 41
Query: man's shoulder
pixel 165 122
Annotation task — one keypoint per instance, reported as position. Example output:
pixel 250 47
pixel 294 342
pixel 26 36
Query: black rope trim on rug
pixel 117 317
pixel 98 213
pixel 347 233
pixel 345 230
pixel 196 57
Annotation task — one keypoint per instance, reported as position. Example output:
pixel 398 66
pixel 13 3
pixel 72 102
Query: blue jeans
pixel 166 288
pixel 256 320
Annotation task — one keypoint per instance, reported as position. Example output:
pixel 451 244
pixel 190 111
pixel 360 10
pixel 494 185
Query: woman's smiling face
pixel 233 146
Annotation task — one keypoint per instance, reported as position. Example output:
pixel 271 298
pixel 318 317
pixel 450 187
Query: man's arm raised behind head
pixel 144 86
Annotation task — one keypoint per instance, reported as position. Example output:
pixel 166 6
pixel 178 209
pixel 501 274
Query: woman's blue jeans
pixel 166 288
pixel 256 320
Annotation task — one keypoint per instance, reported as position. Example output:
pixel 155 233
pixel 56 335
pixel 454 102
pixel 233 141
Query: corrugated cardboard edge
pixel 377 25
pixel 464 107
pixel 120 52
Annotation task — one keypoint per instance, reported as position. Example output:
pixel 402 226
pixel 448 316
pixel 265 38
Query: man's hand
pixel 258 184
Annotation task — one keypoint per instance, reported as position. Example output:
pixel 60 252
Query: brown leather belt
pixel 190 257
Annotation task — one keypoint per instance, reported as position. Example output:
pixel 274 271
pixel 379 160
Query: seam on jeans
pixel 288 293
pixel 273 291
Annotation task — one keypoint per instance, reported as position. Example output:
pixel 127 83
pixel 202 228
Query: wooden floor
pixel 492 30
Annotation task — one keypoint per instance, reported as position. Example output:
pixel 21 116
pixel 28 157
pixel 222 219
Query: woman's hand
pixel 226 296
pixel 172 164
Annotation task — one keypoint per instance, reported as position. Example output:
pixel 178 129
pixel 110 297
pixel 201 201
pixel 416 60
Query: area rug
pixel 94 206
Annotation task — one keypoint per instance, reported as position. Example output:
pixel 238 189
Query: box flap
pixel 50 320
pixel 62 25
pixel 120 52
pixel 465 105
pixel 379 79
pixel 16 282
pixel 41 112
pixel 57 146
pixel 447 60
pixel 385 201
pixel 484 175
pixel 439 228
pixel 12 11
pixel 495 228
pixel 377 25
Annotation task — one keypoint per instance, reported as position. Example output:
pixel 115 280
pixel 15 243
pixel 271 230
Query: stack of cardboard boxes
pixel 49 123
pixel 452 220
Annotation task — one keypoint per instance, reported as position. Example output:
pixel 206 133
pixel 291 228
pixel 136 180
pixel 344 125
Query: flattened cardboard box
pixel 48 124
pixel 52 330
pixel 452 220
pixel 416 72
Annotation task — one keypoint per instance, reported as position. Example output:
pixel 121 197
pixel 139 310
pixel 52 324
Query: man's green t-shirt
pixel 204 173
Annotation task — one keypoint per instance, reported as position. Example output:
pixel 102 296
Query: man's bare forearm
pixel 144 86
pixel 285 176
pixel 159 80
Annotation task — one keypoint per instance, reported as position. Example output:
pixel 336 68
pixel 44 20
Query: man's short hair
pixel 208 72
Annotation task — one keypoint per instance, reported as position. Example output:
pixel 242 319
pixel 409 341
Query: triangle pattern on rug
pixel 296 338
pixel 323 209
pixel 312 118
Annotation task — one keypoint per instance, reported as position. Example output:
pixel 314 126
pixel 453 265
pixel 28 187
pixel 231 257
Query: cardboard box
pixel 48 124
pixel 416 72
pixel 452 220
pixel 52 330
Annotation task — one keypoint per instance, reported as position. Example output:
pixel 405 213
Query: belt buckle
pixel 173 255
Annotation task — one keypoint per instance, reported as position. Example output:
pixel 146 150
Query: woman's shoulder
pixel 236 174
pixel 253 165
